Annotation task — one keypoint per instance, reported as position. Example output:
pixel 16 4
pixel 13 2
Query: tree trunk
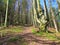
pixel 46 14
pixel 54 21
pixel 53 17
pixel 35 13
pixel 58 1
pixel 5 24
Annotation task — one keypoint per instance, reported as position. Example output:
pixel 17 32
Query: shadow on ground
pixel 31 39
pixel 28 38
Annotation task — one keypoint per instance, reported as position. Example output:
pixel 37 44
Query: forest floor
pixel 24 37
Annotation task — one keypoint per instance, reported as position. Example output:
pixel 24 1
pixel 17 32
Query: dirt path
pixel 36 40
pixel 32 39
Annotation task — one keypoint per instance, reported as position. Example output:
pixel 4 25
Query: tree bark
pixel 5 24
pixel 53 17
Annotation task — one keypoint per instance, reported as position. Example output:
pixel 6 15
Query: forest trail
pixel 27 30
pixel 34 39
pixel 30 39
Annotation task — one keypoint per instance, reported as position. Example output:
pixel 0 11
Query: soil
pixel 28 38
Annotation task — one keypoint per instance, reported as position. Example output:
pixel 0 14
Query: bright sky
pixel 54 3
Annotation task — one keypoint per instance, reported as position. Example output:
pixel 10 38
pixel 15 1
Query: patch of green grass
pixel 49 36
pixel 41 33
pixel 12 30
pixel 16 30
pixel 18 40
pixel 13 39
pixel 33 30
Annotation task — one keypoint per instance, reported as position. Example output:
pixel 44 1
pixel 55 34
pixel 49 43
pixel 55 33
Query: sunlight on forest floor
pixel 47 35
pixel 19 40
pixel 10 30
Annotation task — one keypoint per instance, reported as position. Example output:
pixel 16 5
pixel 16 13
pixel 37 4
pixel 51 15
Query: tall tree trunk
pixel 58 1
pixel 46 11
pixel 46 14
pixel 38 6
pixel 35 13
pixel 19 16
pixel 39 9
pixel 5 24
pixel 53 17
pixel 32 13
pixel 1 20
pixel 54 21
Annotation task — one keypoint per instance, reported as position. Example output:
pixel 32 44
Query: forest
pixel 29 22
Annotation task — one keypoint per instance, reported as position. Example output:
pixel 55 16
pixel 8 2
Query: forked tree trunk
pixel 46 15
pixel 39 18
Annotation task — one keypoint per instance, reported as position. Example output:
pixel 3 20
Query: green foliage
pixel 5 1
pixel 33 30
